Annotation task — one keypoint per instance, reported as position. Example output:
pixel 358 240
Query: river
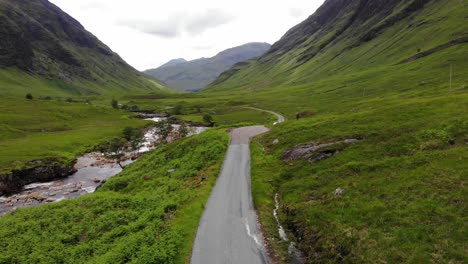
pixel 92 170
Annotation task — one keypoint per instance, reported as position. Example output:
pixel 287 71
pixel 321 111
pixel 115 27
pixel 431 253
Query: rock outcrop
pixel 40 171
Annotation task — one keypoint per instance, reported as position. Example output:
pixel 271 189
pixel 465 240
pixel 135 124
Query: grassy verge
pixel 264 173
pixel 404 184
pixel 146 214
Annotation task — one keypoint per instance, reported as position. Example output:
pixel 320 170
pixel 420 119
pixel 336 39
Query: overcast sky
pixel 148 33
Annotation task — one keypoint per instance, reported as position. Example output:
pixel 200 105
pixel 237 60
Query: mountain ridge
pixel 38 38
pixel 195 74
pixel 355 32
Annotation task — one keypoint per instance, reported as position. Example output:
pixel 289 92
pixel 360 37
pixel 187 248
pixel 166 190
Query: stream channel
pixel 93 169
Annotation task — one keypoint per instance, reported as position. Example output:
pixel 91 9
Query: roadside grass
pixel 146 214
pixel 403 181
pixel 37 129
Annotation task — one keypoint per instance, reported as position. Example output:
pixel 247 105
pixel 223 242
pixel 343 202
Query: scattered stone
pixel 276 141
pixel 35 196
pixel 50 200
pixel 339 191
pixel 316 151
pixel 97 181
pixel 171 170
pixel 323 155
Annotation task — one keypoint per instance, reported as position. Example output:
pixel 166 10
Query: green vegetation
pixel 147 214
pixel 38 129
pixel 115 104
pixel 224 109
pixel 379 75
pixel 403 199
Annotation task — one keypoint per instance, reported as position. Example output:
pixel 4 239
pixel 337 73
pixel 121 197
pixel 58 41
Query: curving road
pixel 228 231
pixel 281 118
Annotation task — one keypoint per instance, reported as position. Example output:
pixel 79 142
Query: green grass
pixel 225 110
pixel 143 215
pixel 37 129
pixel 15 83
pixel 404 200
pixel 404 184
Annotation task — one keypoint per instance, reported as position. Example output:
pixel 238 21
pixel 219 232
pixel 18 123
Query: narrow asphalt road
pixel 228 231
pixel 281 118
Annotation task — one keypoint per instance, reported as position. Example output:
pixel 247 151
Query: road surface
pixel 228 231
pixel 281 118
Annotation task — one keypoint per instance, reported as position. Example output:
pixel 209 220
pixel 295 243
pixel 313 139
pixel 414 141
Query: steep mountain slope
pixel 40 44
pixel 196 74
pixel 345 37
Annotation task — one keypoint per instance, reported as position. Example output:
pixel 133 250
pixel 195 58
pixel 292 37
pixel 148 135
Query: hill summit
pixel 196 74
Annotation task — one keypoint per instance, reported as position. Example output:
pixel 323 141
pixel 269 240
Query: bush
pixel 29 96
pixel 208 119
pixel 178 109
pixel 304 114
pixel 115 104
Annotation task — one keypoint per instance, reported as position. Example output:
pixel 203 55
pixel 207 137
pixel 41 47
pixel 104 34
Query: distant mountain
pixel 196 74
pixel 174 62
pixel 41 43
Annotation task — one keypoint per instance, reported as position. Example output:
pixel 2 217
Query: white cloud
pixel 210 18
pixel 148 33
pixel 296 12
pixel 169 28
pixel 181 23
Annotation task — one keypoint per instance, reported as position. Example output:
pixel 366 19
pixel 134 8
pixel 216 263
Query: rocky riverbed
pixel 92 170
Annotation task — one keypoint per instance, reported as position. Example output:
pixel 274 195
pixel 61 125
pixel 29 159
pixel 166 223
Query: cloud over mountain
pixel 181 23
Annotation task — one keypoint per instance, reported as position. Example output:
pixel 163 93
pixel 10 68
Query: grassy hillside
pixel 37 129
pixel 45 50
pixel 403 181
pixel 330 45
pixel 143 215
